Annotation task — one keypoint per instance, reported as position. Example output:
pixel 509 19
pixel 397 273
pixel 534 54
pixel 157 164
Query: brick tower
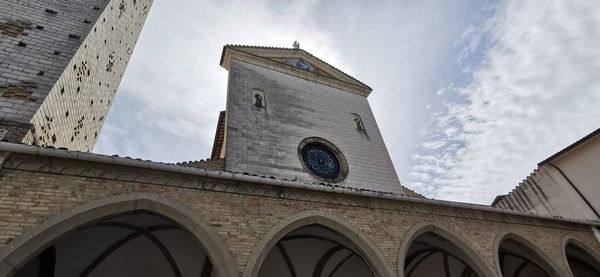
pixel 61 63
pixel 291 115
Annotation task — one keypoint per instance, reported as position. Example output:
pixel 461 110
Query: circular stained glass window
pixel 321 161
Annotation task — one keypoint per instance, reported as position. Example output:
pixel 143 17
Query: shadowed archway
pixel 429 250
pixel 135 244
pixel 582 260
pixel 314 251
pixel 312 244
pixel 125 235
pixel 518 257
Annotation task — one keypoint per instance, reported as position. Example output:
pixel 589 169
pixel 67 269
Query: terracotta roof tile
pixel 208 164
pixel 411 193
pixel 219 137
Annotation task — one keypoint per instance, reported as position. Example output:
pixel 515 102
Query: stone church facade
pixel 299 184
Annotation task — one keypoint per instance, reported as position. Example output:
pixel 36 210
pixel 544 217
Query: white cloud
pixel 433 144
pixel 404 51
pixel 168 103
pixel 174 88
pixel 533 95
pixel 537 91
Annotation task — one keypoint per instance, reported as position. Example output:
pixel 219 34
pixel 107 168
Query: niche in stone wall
pixel 258 98
pixel 358 124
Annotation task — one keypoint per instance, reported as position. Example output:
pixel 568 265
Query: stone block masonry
pixel 61 63
pixel 265 141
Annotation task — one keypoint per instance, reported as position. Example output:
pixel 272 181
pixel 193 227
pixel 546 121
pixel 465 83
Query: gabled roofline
pixel 300 49
pixel 570 147
pixel 342 80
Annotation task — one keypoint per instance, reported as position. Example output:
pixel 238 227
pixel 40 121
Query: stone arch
pixel 366 248
pixel 473 259
pixel 23 248
pixel 574 241
pixel 545 260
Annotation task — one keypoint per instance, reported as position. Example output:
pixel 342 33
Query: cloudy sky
pixel 469 95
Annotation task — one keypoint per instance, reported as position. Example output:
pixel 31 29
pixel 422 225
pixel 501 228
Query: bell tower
pixel 61 63
pixel 293 116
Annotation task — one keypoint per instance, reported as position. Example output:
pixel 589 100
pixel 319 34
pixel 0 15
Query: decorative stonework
pixel 286 60
pixel 323 159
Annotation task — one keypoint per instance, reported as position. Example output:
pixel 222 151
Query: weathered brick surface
pixel 35 188
pixel 13 131
pixel 265 141
pixel 61 63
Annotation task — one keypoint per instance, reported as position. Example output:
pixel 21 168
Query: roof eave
pixel 570 147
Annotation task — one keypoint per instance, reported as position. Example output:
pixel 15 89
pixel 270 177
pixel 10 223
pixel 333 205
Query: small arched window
pixel 358 123
pixel 258 98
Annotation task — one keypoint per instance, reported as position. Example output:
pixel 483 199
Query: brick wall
pixel 35 188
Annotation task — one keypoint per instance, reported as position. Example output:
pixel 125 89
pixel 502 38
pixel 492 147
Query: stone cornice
pixel 340 80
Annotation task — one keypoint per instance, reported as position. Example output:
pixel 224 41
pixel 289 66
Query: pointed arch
pixel 472 258
pixel 544 261
pixel 569 240
pixel 23 248
pixel 272 238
